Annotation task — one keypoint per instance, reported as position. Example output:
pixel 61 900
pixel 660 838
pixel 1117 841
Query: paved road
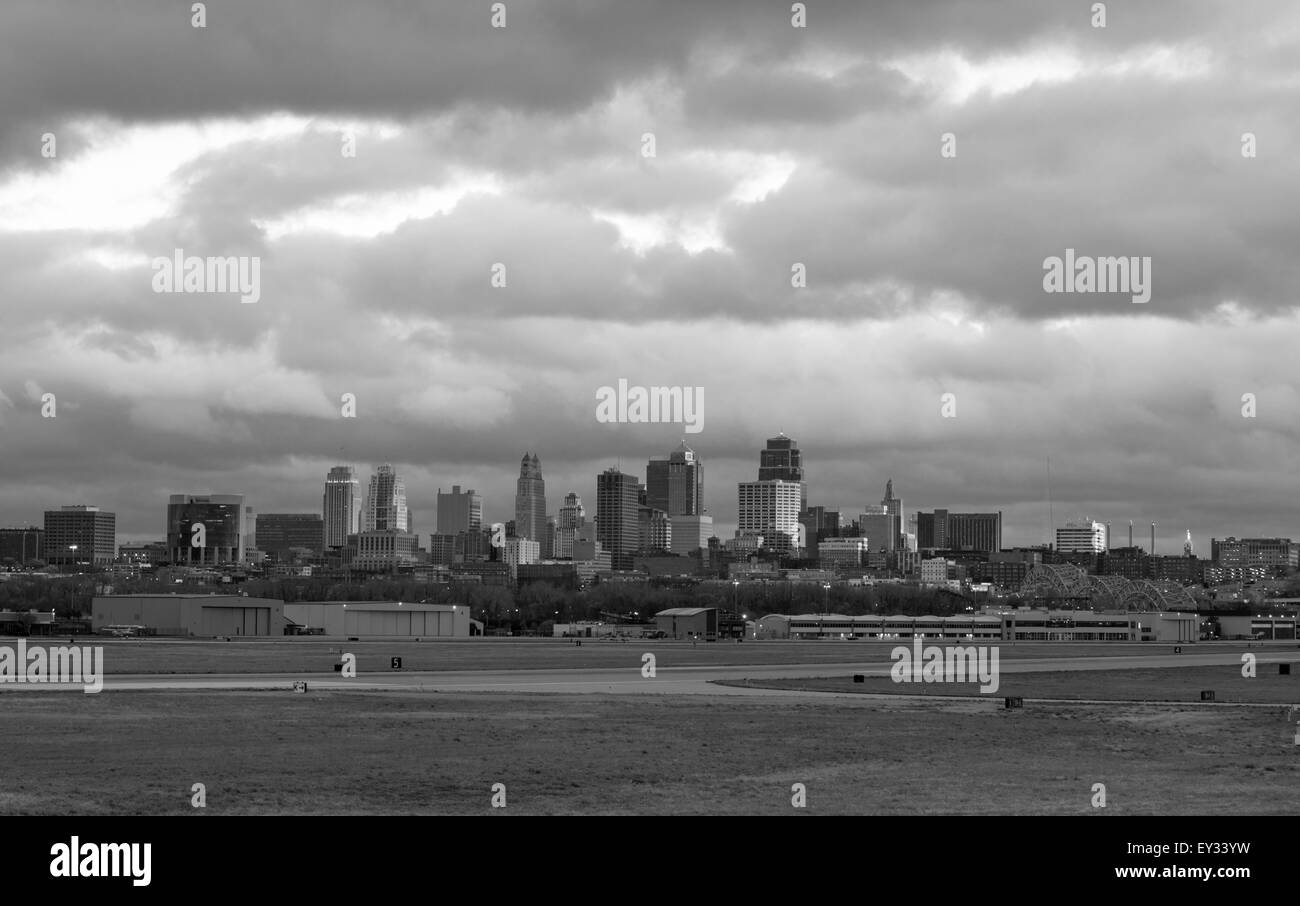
pixel 694 680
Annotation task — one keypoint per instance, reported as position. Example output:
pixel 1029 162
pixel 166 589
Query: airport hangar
pixel 199 616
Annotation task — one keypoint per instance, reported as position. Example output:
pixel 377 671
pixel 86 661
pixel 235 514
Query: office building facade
pixel 1086 537
pixel 530 500
pixel 341 506
pixel 80 535
pixel 617 516
pixel 385 508
pixel 223 539
pixel 282 536
pixel 676 485
pixel 771 509
pixel 459 511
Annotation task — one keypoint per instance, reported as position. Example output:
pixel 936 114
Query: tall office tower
pixel 771 508
pixel 80 534
pixel 548 544
pixel 280 535
pixel 654 529
pixel 1085 537
pixel 820 523
pixel 676 484
pixel 894 507
pixel 386 502
pixel 225 529
pixel 782 461
pixel 880 528
pixel 690 534
pixel 617 516
pixel 342 506
pixel 572 516
pixel 459 511
pixel 530 500
pixel 942 530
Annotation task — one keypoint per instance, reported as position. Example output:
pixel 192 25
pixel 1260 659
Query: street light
pixel 735 592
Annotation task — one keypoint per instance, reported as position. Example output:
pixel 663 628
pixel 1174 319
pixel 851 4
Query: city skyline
pixel 808 280
pixel 1013 535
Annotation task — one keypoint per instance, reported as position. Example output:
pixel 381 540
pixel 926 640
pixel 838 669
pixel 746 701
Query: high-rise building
pixel 22 545
pixel 1085 537
pixel 530 500
pixel 383 550
pixel 520 551
pixel 459 511
pixel 880 528
pixel 1270 553
pixel 676 484
pixel 570 522
pixel 841 553
pixel 617 517
pixel 781 460
pixel 342 506
pixel 894 507
pixel 386 502
pixel 80 534
pixel 771 508
pixel 279 534
pixel 223 538
pixel 942 530
pixel 690 534
pixel 654 530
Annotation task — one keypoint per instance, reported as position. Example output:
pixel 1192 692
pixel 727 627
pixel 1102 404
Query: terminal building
pixel 1018 625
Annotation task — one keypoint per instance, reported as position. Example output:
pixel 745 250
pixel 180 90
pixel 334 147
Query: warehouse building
pixel 688 623
pixel 380 619
pixel 1258 626
pixel 190 615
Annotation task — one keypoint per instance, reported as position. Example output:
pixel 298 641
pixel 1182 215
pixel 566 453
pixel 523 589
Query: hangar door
pixel 236 621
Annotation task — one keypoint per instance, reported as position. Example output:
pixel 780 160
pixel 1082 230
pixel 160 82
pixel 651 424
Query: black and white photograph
pixel 431 409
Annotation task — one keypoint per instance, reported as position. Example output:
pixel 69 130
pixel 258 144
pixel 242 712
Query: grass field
pixel 1183 684
pixel 316 655
pixel 398 753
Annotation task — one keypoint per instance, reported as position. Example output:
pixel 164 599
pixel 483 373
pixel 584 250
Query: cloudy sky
pixel 773 145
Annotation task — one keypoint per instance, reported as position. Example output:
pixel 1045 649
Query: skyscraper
pixel 342 506
pixel 530 500
pixel 894 507
pixel 781 460
pixel 570 522
pixel 1085 537
pixel 771 509
pixel 617 511
pixel 676 484
pixel 459 511
pixel 385 502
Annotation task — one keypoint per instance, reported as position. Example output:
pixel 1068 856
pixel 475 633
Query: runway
pixel 629 680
